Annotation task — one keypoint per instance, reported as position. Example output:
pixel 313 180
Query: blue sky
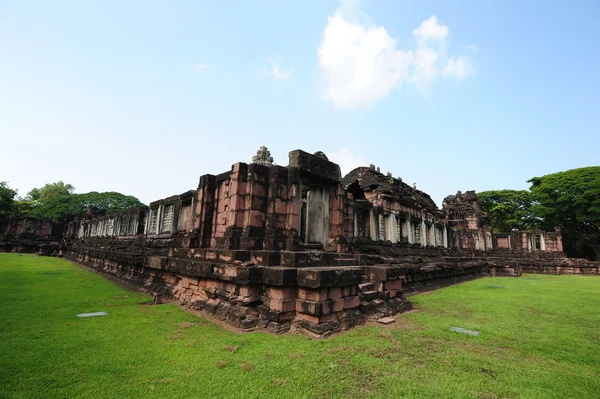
pixel 143 97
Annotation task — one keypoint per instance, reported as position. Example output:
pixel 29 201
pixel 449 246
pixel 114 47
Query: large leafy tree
pixel 508 209
pixel 50 191
pixel 571 200
pixel 108 202
pixel 7 200
pixel 57 201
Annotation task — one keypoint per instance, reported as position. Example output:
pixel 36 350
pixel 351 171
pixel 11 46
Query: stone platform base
pixel 318 300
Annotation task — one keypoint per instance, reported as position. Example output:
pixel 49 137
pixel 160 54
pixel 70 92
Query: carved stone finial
pixel 321 155
pixel 263 157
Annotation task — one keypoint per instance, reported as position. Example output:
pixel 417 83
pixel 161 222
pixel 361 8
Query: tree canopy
pixel 7 200
pixel 49 191
pixel 58 201
pixel 571 200
pixel 508 209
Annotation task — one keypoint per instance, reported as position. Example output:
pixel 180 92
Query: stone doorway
pixel 314 215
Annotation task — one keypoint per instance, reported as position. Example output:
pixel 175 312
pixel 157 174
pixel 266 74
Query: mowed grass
pixel 540 338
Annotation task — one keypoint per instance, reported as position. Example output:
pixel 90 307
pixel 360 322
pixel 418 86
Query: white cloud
pixel 274 70
pixel 430 29
pixel 200 67
pixel 457 68
pixel 347 160
pixel 361 63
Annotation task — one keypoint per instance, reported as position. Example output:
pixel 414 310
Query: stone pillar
pixel 373 225
pixel 409 229
pixel 445 236
pixel 542 241
pixel 203 218
pixel 391 228
pixel 423 233
pixel 381 230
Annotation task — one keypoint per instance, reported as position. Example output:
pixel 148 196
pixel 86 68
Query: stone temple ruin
pixel 297 247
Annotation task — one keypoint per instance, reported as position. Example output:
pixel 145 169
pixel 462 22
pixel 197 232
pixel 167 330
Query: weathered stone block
pixel 279 276
pixel 393 285
pixel 278 327
pixel 280 305
pixel 329 277
pixel 281 292
pixel 314 308
pixel 351 302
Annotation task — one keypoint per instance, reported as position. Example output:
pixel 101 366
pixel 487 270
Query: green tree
pixel 57 201
pixel 7 201
pixel 571 200
pixel 108 202
pixel 508 209
pixel 50 190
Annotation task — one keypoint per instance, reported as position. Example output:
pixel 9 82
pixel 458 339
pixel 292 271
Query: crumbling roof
pixel 400 192
pixel 463 205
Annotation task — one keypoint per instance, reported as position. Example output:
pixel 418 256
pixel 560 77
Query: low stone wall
pixel 314 293
pixel 315 300
pixel 561 266
pixel 47 247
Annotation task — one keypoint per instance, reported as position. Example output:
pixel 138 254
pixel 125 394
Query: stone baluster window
pixel 124 224
pixel 417 231
pixel 110 227
pixel 153 221
pixel 167 223
pixel 131 226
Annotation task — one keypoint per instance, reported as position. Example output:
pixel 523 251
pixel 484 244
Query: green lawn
pixel 540 337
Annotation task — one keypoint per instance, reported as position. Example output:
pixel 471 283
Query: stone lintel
pixel 315 165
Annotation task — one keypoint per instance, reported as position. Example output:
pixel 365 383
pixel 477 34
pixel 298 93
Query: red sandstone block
pixel 238 218
pixel 257 219
pixel 315 319
pixel 212 284
pixel 248 290
pixel 315 295
pixel 294 222
pixel 280 221
pixel 282 292
pixel 338 305
pixel 236 202
pixel 335 293
pixel 350 290
pixel 308 317
pixel 351 302
pixel 316 308
pixel 280 206
pixel 283 192
pixel 230 287
pixel 280 305
pixel 393 285
pixel 258 190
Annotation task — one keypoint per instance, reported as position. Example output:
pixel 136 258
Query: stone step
pixel 346 262
pixel 369 295
pixel 312 245
pixel 365 287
